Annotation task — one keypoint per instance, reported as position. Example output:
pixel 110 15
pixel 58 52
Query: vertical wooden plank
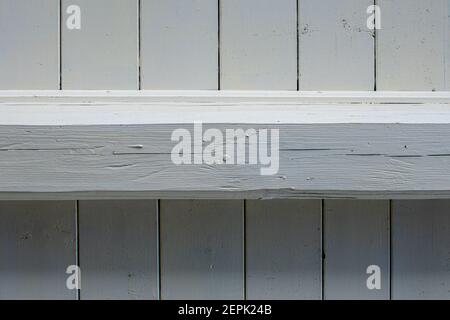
pixel 356 236
pixel 421 249
pixel 201 249
pixel 29 44
pixel 412 45
pixel 179 44
pixel 37 244
pixel 284 255
pixel 336 49
pixel 118 249
pixel 103 53
pixel 258 44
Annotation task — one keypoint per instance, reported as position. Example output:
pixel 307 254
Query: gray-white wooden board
pixel 29 44
pixel 37 244
pixel 336 49
pixel 179 44
pixel 421 249
pixel 315 161
pixel 202 249
pixel 283 249
pixel 118 249
pixel 258 45
pixel 103 54
pixel 356 236
pixel 413 45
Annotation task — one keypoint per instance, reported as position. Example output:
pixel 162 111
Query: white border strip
pixel 217 97
pixel 57 115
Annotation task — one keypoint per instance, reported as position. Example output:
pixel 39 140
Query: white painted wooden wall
pixel 231 249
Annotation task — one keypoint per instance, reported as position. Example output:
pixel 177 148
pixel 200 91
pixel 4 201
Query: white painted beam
pixel 365 145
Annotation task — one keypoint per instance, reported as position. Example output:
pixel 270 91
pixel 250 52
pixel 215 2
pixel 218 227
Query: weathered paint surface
pixel 336 49
pixel 381 160
pixel 103 53
pixel 420 249
pixel 202 249
pixel 356 237
pixel 283 249
pixel 376 151
pixel 360 154
pixel 336 52
pixel 413 45
pixel 29 44
pixel 258 46
pixel 179 44
pixel 37 245
pixel 207 264
pixel 118 249
pixel 413 54
pixel 289 111
pixel 230 98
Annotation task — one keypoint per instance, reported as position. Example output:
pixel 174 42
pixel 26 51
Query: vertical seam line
pixel 77 244
pixel 218 45
pixel 375 50
pixel 158 240
pixel 322 245
pixel 298 44
pixel 390 248
pixel 139 71
pixel 244 249
pixel 60 26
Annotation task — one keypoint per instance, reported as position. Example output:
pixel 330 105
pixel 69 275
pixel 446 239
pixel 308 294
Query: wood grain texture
pixel 413 45
pixel 258 44
pixel 103 54
pixel 356 236
pixel 118 249
pixel 37 244
pixel 378 160
pixel 284 258
pixel 29 44
pixel 421 249
pixel 179 44
pixel 202 249
pixel 336 49
pixel 382 146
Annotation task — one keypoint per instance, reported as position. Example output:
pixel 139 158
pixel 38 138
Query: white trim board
pixel 239 107
pixel 70 145
pixel 219 97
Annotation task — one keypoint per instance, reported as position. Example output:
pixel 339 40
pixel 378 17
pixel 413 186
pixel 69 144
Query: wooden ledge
pixel 92 144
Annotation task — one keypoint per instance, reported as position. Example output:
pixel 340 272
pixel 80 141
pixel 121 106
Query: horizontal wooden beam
pixel 89 145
